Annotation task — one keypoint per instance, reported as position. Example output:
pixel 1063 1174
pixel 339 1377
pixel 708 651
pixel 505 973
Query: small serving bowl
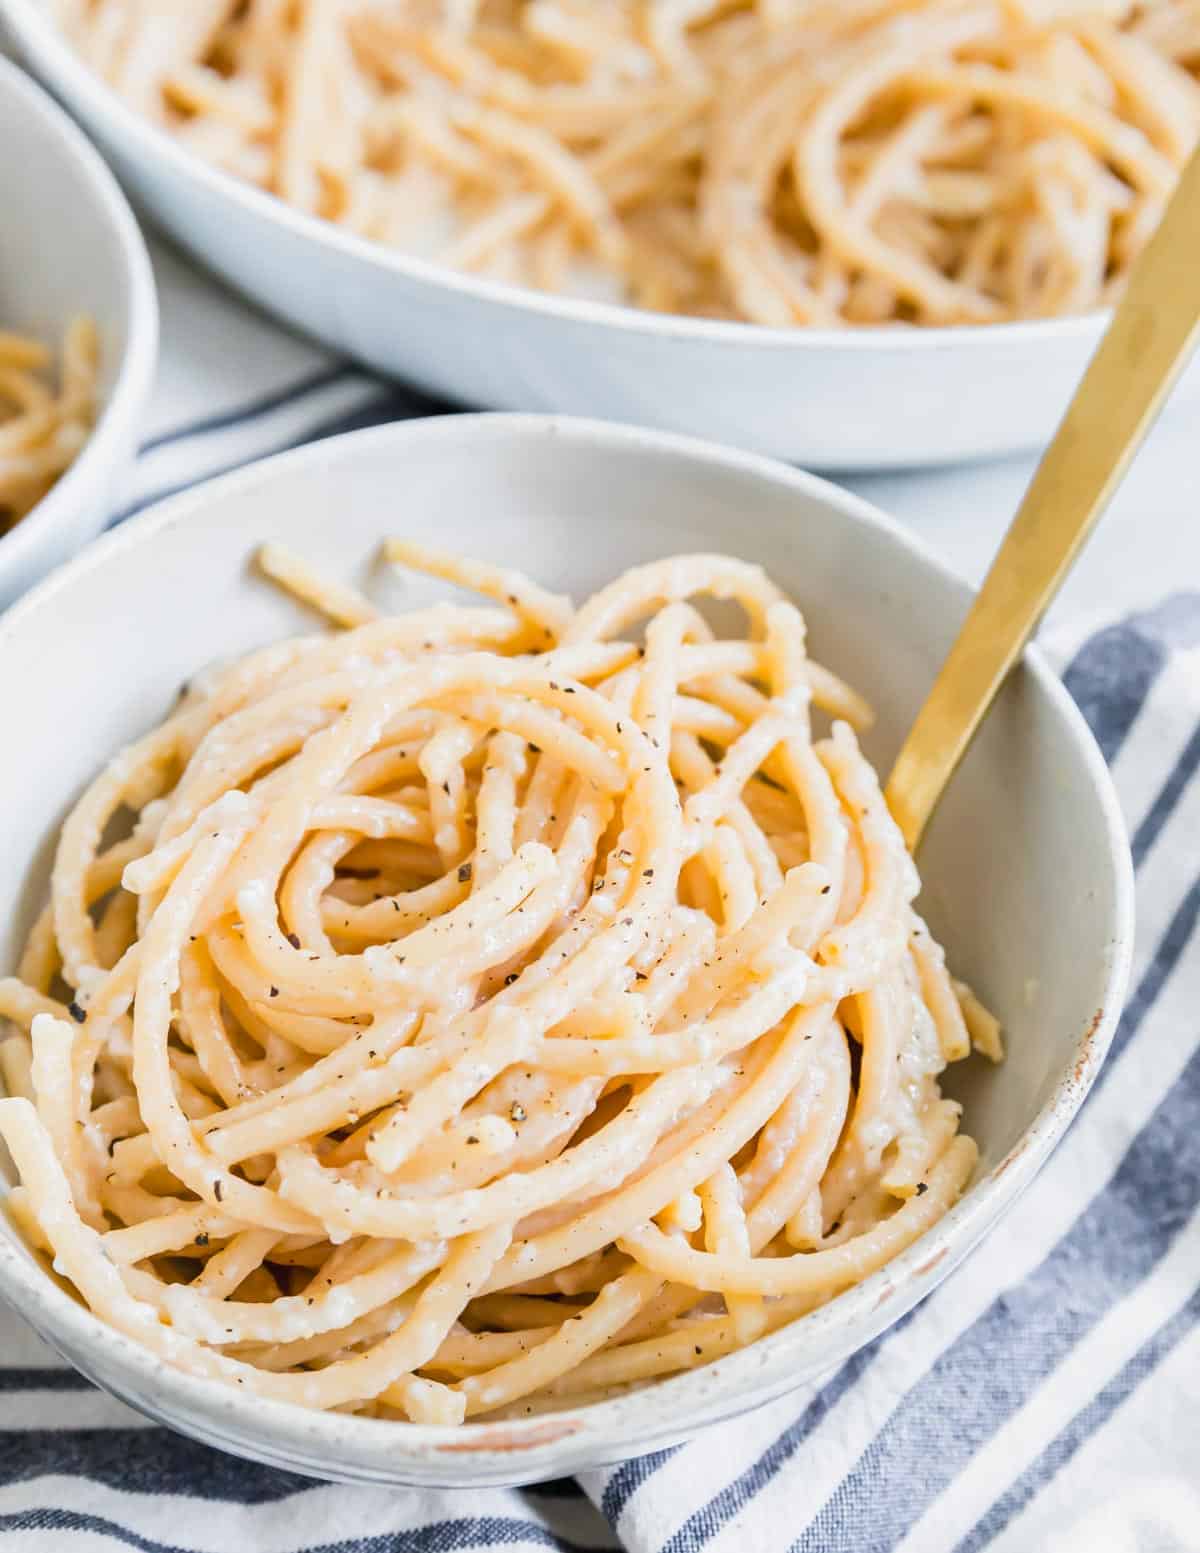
pixel 69 245
pixel 1029 822
pixel 861 398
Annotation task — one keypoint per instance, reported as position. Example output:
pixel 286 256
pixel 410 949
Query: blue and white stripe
pixel 1046 1396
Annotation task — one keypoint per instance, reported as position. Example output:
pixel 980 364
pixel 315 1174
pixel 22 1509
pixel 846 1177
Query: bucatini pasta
pixel 819 162
pixel 42 431
pixel 485 1007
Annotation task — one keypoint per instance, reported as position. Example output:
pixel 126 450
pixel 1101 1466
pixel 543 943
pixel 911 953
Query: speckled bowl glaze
pixel 1027 869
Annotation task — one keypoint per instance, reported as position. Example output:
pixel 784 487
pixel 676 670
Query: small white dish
pixel 69 244
pixel 1029 823
pixel 872 398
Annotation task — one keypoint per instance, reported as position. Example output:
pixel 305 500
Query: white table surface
pixel 1147 546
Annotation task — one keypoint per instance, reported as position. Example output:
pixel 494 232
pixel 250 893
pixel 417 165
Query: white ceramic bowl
pixel 1030 822
pixel 68 245
pixel 827 399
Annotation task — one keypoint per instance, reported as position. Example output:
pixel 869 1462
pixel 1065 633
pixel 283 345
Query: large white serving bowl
pixel 69 245
pixel 827 399
pixel 1027 870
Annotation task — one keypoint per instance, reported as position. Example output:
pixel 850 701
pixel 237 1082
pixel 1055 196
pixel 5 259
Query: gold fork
pixel 1143 351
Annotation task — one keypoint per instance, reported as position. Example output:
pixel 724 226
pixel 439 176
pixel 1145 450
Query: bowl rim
pixel 38 35
pixel 523 1449
pixel 134 373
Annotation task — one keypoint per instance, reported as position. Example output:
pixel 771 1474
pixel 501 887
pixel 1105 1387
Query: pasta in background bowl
pixel 931 162
pixel 78 335
pixel 825 213
pixel 43 426
pixel 1030 821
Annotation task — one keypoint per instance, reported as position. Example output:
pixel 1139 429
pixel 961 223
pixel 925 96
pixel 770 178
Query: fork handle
pixel 1136 364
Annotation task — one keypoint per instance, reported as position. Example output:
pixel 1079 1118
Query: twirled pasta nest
pixel 488 1006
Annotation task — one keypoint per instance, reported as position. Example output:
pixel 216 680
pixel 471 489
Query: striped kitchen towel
pixel 1047 1396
